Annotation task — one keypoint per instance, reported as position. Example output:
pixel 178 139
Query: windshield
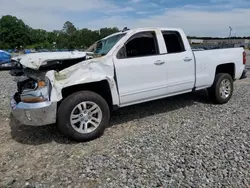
pixel 105 45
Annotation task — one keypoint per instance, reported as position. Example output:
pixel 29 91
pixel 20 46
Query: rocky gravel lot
pixel 183 141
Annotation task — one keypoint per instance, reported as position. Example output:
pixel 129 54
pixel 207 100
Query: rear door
pixel 180 63
pixel 140 69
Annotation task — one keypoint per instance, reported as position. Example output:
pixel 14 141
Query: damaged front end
pixel 31 104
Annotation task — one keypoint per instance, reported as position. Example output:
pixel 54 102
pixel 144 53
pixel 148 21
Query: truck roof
pixel 142 29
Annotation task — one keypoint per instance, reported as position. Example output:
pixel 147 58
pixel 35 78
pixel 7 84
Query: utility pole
pixel 230 31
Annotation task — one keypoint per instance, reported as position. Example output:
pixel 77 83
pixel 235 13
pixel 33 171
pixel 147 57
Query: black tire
pixel 214 91
pixel 68 105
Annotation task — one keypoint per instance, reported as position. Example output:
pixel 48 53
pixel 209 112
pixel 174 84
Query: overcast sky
pixel 195 17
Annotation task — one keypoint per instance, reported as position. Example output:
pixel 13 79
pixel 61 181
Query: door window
pixel 139 45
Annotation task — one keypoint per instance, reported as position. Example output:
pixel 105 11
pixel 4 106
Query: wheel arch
pixel 226 68
pixel 104 88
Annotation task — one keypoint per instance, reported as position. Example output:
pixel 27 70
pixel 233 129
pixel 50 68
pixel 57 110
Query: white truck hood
pixel 35 60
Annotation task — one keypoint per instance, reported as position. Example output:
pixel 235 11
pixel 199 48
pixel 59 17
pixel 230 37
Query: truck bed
pixel 208 60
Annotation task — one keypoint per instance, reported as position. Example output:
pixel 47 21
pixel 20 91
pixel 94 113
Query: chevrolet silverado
pixel 79 90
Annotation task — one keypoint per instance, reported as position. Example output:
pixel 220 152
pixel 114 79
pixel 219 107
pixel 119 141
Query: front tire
pixel 83 116
pixel 222 88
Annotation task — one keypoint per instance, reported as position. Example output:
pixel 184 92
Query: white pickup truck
pixel 78 90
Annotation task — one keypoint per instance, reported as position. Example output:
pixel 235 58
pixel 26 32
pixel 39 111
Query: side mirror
pixel 121 53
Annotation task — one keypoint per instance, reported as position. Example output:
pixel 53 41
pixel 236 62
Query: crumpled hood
pixel 92 70
pixel 35 60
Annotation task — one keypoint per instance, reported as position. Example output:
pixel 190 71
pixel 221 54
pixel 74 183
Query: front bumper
pixel 244 74
pixel 35 114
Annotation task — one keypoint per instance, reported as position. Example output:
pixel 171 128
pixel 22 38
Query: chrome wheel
pixel 86 117
pixel 225 88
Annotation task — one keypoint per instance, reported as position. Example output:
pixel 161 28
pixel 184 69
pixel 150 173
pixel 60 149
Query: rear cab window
pixel 173 42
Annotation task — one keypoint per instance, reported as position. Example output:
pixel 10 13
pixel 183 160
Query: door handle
pixel 187 59
pixel 159 62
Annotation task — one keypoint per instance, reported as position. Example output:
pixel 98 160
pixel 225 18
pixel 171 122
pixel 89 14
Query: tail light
pixel 244 58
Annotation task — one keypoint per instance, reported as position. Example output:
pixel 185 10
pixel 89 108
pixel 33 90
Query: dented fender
pixel 92 70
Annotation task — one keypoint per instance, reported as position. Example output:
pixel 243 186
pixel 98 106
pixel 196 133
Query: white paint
pixel 208 60
pixel 88 71
pixel 140 79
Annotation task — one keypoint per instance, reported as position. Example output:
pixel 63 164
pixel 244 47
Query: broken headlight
pixel 39 91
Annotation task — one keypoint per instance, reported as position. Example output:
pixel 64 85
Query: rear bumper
pixel 244 74
pixel 35 114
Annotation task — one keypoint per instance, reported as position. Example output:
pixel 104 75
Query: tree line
pixel 15 34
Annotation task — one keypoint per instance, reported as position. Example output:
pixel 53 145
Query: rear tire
pixel 83 116
pixel 222 88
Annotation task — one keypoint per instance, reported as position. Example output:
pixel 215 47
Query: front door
pixel 140 70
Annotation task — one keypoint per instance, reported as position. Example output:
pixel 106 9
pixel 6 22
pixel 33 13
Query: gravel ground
pixel 7 89
pixel 183 141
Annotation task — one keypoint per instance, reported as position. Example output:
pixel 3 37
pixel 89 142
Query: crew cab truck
pixel 78 92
